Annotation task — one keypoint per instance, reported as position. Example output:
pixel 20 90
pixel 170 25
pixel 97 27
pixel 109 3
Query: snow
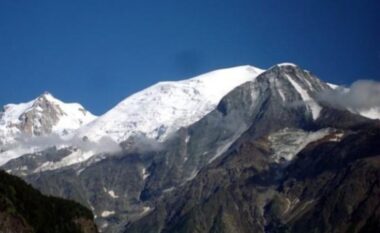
pixel 336 137
pixel 13 111
pixel 13 153
pixel 223 149
pixel 154 113
pixel 310 102
pixel 144 173
pixel 165 107
pixel 279 88
pixel 107 213
pixel 310 86
pixel 287 143
pixel 333 86
pixel 193 174
pixel 71 116
pixel 168 190
pixel 287 64
pixel 75 157
pixel 146 209
pixel 10 117
pixel 282 95
pixel 75 115
pixel 112 194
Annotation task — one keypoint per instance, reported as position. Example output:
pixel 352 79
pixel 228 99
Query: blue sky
pixel 97 52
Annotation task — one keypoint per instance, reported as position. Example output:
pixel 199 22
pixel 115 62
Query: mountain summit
pixel 41 116
pixel 44 115
pixel 163 108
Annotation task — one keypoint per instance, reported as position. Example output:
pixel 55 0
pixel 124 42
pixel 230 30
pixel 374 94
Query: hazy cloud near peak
pixel 360 96
pixel 103 145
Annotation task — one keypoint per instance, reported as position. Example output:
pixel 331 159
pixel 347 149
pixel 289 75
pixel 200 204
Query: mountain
pixel 147 163
pixel 43 116
pixel 151 114
pixel 163 108
pixel 25 210
pixel 333 185
pixel 288 172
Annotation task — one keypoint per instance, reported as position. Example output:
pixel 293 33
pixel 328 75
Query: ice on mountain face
pixel 309 101
pixel 282 95
pixel 193 174
pixel 163 108
pixel 75 157
pixel 144 174
pixel 112 194
pixel 107 213
pixel 287 143
pixel 145 210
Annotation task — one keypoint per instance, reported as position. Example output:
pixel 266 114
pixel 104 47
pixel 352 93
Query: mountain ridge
pixel 40 117
pixel 166 106
pixel 122 187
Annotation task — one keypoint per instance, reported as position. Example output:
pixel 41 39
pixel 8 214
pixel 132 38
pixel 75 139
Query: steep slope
pixel 163 108
pixel 216 208
pixel 45 115
pixel 101 183
pixel 252 186
pixel 147 118
pixel 331 185
pixel 142 120
pixel 152 114
pixel 125 186
pixel 24 209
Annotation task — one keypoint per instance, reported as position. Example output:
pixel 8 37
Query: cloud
pixel 361 96
pixel 139 143
pixel 103 145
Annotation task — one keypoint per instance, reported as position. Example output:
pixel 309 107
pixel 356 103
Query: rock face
pixel 43 115
pixel 234 169
pixel 332 185
pixel 24 209
pixel 31 127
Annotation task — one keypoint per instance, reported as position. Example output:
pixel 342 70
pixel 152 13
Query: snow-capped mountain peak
pixel 154 113
pixel 41 116
pixel 163 108
pixel 44 115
